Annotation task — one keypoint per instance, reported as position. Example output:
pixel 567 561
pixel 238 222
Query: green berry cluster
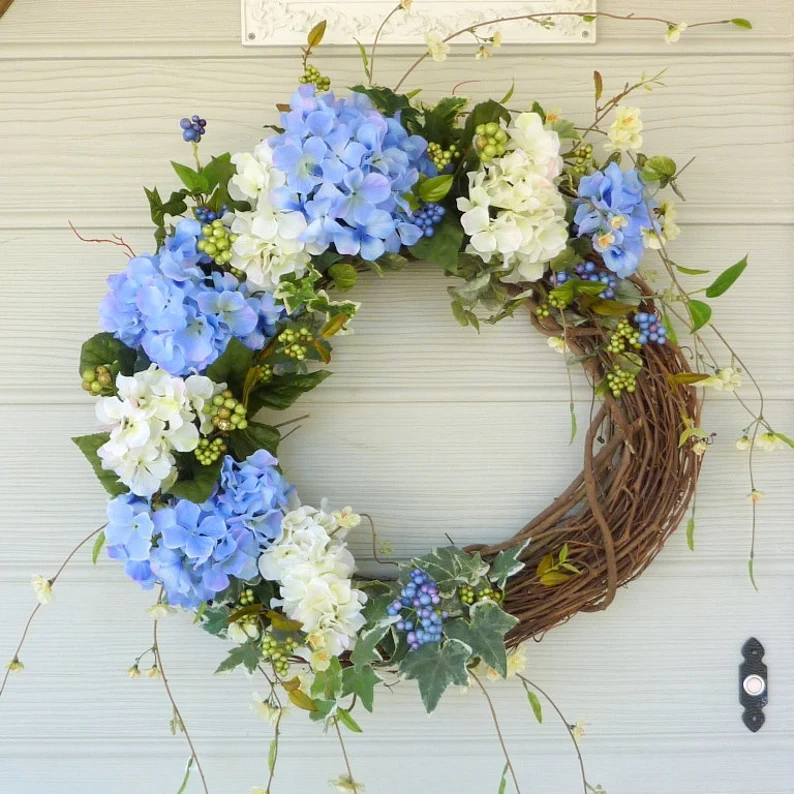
pixel 625 334
pixel 264 373
pixel 469 595
pixel 217 242
pixel 584 158
pixel 311 76
pixel 277 652
pixel 95 381
pixel 543 311
pixel 441 158
pixel 557 302
pixel 227 413
pixel 619 381
pixel 490 140
pixel 207 452
pixel 246 598
pixel 295 342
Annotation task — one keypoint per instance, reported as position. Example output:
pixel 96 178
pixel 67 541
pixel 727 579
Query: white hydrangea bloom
pixel 313 566
pixel 514 212
pixel 152 416
pixel 268 246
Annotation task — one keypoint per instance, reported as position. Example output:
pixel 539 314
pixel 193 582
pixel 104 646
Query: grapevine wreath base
pixel 633 491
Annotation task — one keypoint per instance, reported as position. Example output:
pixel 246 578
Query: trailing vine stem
pixel 540 18
pixel 383 24
pixel 585 785
pixel 353 786
pixel 38 606
pixel 495 719
pixel 159 662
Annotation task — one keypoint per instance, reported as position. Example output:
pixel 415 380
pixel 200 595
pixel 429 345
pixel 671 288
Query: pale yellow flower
pixel 134 672
pixel 437 47
pixel 15 666
pixel 497 39
pixel 768 441
pixel 755 496
pixel 624 133
pixel 346 518
pixel 346 784
pixel 42 587
pixel 153 672
pixel 577 729
pixel 557 343
pixel 265 710
pixel 259 790
pixel 160 611
pixel 555 114
pixel 673 33
pixel 406 4
pixel 516 663
pixel 725 379
pixel 482 52
pixel 743 443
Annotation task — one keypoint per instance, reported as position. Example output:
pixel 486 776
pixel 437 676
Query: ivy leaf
pixel 248 654
pixel 450 566
pixel 435 189
pixel 195 481
pixel 98 545
pixel 506 564
pixel 361 682
pixel 89 446
pixel 283 390
pixel 365 650
pixel 255 436
pixel 484 633
pixel 347 720
pixel 699 312
pixel 537 709
pixel 444 246
pixel 742 23
pixel 104 350
pixel 435 668
pixel 726 279
pixel 216 620
pixel 327 684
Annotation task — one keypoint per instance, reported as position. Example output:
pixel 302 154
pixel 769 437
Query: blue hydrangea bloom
pixel 182 317
pixel 348 168
pixel 612 210
pixel 128 535
pixel 252 494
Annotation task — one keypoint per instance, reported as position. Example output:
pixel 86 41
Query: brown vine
pixel 633 492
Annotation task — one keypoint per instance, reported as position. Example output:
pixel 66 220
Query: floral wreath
pixel 234 314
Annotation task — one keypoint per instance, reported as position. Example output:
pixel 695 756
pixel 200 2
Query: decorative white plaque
pixel 287 22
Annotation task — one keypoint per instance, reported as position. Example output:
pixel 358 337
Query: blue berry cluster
pixel 427 217
pixel 587 271
pixel 651 328
pixel 417 607
pixel 206 215
pixel 193 128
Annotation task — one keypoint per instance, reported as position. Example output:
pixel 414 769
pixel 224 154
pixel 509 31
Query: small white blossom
pixel 577 729
pixel 406 4
pixel 755 496
pixel 346 518
pixel 699 447
pixel 666 214
pixel 497 38
pixel 624 133
pixel 483 52
pixel 673 33
pixel 743 443
pixel 557 343
pixel 241 631
pixel 265 710
pixel 42 587
pixel 15 666
pixel 160 611
pixel 725 379
pixel 134 672
pixel 436 46
pixel 769 441
pixel 154 672
pixel 516 663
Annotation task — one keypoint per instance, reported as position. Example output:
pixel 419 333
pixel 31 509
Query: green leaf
pixel 390 103
pixel 661 165
pixel 537 709
pixel 751 572
pixel 327 684
pixel 435 668
pixel 509 95
pixel 484 633
pixel 186 778
pixel 344 276
pixel 726 279
pixel 573 423
pixel 608 308
pixel 195 481
pixel 459 313
pixel 668 324
pixel 316 34
pixel 598 82
pixel 503 780
pixel 248 654
pixel 690 533
pixel 506 564
pixel 215 620
pixel 255 436
pixel 687 377
pixel 361 682
pixel 272 754
pixel 98 545
pixel 444 246
pixel 89 446
pixel 565 128
pixel 231 366
pixel 300 699
pixel 347 720
pixel 365 650
pixel 554 578
pixel 104 350
pixel 192 180
pixel 538 108
pixel 218 171
pixel 283 390
pixel 742 23
pixel 450 566
pixel 699 312
pixel 690 271
pixel 588 17
pixel 364 58
pixel 784 439
pixel 435 189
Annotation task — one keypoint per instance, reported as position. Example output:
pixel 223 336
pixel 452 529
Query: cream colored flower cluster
pixel 514 213
pixel 313 567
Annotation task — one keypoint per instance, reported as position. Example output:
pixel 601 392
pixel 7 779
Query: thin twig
pixel 117 241
pixel 39 605
pixel 567 728
pixel 159 661
pixel 388 16
pixel 498 730
pixel 374 543
pixel 353 785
